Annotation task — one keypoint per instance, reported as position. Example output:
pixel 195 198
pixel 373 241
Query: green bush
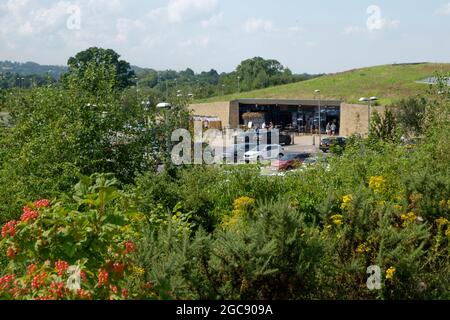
pixel 79 251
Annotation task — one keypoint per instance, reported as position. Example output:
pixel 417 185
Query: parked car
pixel 264 152
pixel 235 152
pixel 327 143
pixel 283 138
pixel 290 161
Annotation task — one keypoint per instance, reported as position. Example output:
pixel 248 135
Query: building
pixel 296 115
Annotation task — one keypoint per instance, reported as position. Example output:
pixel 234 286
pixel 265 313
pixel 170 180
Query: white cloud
pixel 214 21
pixel 26 19
pixel 182 10
pixel 378 25
pixel 201 41
pixel 444 10
pixel 255 25
pixel 125 27
pixel 383 24
pixel 353 30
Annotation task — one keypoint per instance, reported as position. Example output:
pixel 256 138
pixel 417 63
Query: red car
pixel 290 161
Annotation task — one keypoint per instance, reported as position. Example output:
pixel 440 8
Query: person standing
pixel 333 129
pixel 328 129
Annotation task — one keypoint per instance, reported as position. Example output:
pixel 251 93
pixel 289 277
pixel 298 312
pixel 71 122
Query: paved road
pixel 304 144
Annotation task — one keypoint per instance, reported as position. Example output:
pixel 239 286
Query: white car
pixel 264 152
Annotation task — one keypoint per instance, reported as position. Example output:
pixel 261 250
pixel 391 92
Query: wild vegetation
pixel 86 214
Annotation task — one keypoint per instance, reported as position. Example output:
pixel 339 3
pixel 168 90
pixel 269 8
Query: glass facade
pixel 302 119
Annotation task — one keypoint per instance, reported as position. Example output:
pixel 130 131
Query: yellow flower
pixel 381 203
pixel 377 184
pixel 447 233
pixel 347 199
pixel 138 271
pixel 390 273
pixel 241 207
pixel 337 219
pixel 243 203
pixel 363 248
pixel 442 222
pixel 408 218
pixel 398 207
pixel 346 202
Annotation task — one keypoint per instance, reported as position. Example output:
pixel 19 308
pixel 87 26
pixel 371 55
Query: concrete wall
pixel 215 109
pixel 355 118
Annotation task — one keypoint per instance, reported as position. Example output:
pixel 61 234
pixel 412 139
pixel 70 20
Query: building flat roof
pixel 336 103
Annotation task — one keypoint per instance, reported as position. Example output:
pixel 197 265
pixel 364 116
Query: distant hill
pixel 31 68
pixel 387 82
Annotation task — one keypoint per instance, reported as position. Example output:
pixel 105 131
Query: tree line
pixel 250 74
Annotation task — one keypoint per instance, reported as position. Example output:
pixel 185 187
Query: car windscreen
pixel 258 148
pixel 290 157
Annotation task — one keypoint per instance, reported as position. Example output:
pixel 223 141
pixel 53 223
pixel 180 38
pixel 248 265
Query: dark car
pixel 284 138
pixel 329 143
pixel 290 161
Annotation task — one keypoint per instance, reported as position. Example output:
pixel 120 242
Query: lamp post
pixel 369 101
pixel 165 106
pixel 317 93
pixel 137 89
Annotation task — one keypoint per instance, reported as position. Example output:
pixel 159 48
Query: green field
pixel 389 83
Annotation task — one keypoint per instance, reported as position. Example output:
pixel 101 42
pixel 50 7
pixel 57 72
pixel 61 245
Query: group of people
pixel 331 129
pixel 269 126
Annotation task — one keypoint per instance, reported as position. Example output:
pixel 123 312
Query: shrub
pixel 72 252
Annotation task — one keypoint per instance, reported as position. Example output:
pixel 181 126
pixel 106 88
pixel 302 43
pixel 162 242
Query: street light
pixel 137 89
pixel 166 106
pixel 317 93
pixel 369 101
pixel 239 84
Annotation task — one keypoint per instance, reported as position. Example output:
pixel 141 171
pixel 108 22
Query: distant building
pixel 294 115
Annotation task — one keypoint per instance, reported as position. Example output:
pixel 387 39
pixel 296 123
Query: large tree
pixel 107 65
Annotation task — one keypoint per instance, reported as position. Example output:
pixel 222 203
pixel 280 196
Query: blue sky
pixel 307 36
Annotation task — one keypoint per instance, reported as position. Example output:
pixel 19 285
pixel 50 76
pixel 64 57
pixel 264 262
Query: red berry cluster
pixel 58 289
pixel 84 295
pixel 6 282
pixel 114 289
pixel 61 267
pixel 9 229
pixel 31 269
pixel 83 276
pixel 39 281
pixel 44 203
pixel 118 268
pixel 103 277
pixel 29 214
pixel 11 253
pixel 129 247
